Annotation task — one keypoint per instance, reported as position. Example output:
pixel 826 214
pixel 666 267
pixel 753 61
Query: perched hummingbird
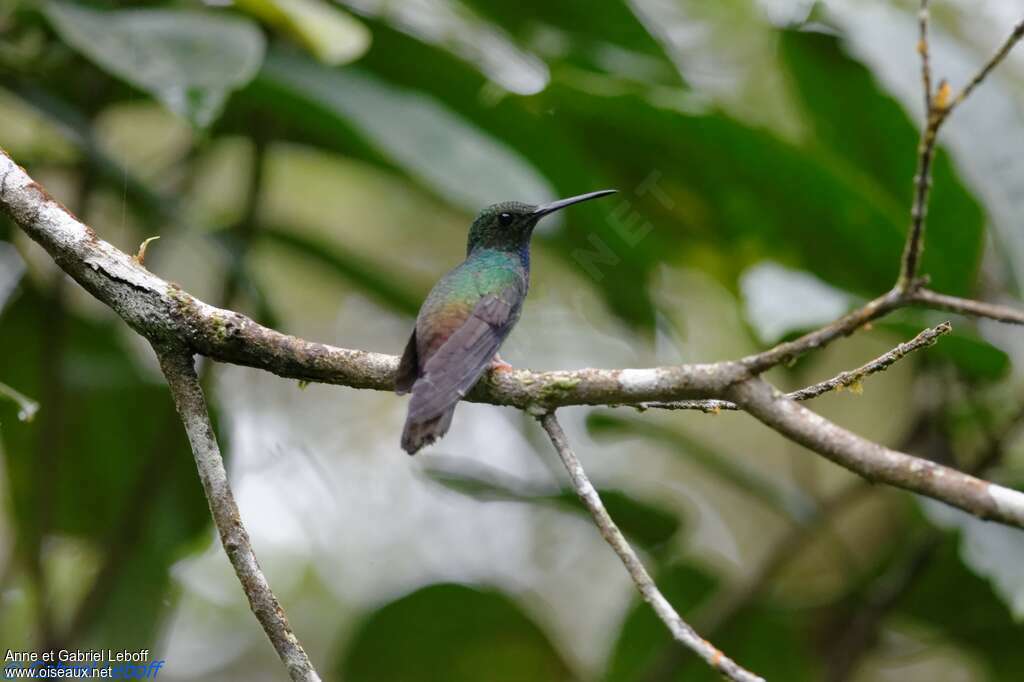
pixel 467 316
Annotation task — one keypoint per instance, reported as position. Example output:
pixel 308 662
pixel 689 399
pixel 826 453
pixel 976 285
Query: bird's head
pixel 508 225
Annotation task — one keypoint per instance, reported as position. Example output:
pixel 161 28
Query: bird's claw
pixel 499 365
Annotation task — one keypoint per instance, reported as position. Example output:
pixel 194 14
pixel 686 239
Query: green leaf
pixel 964 608
pixel 451 633
pixel 648 525
pixel 606 37
pixel 190 61
pixel 591 239
pixel 859 125
pixel 455 30
pixel 414 132
pixel 396 60
pixel 644 644
pixel 791 503
pixel 740 192
pixel 354 269
pixel 767 640
pixel 108 463
pixel 330 34
pixel 990 550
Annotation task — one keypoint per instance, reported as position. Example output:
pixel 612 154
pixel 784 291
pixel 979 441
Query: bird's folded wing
pixel 454 368
pixel 408 366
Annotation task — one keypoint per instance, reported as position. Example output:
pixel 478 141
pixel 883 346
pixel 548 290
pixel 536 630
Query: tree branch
pixel 1011 41
pixel 919 209
pixel 923 50
pixel 124 539
pixel 876 462
pixel 938 107
pixel 188 397
pixel 166 315
pixel 848 379
pixel 964 306
pixel 680 630
pixel 858 634
pixel 819 338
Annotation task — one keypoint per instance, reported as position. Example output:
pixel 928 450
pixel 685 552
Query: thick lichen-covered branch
pixel 166 315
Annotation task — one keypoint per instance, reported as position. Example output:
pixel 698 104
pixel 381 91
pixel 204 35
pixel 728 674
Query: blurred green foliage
pixel 107 462
pixel 451 633
pixel 463 105
pixel 766 638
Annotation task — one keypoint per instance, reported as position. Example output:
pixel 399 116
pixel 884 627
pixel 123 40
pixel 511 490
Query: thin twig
pixel 819 338
pixel 1014 37
pixel 938 107
pixel 919 210
pixel 964 306
pixel 849 379
pixel 680 630
pixel 180 372
pixel 923 50
pixel 27 407
pixel 925 154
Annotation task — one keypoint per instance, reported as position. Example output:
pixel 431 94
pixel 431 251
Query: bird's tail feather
pixel 418 434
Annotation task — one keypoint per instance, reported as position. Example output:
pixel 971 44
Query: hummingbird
pixel 467 316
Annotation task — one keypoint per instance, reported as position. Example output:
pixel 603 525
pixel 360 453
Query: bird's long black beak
pixel 545 209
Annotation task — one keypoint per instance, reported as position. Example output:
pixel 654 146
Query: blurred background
pixel 316 165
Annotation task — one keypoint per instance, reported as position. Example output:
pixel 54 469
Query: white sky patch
pixel 786 12
pixel 778 300
pixel 991 550
pixel 454 26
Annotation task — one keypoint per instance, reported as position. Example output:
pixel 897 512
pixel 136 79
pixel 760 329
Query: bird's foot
pixel 499 365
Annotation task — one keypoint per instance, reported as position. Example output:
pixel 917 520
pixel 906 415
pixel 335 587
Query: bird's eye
pixel 505 219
